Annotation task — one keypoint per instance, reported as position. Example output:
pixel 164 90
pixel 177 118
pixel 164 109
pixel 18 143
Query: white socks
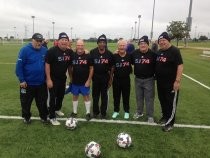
pixel 87 106
pixel 75 105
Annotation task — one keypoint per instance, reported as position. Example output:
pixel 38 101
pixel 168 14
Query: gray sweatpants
pixel 145 92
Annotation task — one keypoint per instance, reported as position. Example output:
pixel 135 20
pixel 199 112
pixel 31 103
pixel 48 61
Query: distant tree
pixel 203 38
pixel 92 39
pixel 115 40
pixel 178 30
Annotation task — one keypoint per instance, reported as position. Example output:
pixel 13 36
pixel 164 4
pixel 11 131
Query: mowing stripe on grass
pixel 7 63
pixel 114 121
pixel 203 85
pixel 183 75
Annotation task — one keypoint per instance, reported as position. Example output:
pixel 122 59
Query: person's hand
pixel 110 83
pixel 23 84
pixel 176 85
pixel 49 83
pixel 116 51
pixel 87 83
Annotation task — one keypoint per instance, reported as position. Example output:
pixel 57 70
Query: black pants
pixel 99 88
pixel 168 101
pixel 26 97
pixel 121 86
pixel 56 95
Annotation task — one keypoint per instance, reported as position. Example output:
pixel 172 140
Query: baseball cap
pixel 63 35
pixel 37 36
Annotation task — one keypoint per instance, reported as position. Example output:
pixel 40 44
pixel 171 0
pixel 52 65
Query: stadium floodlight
pixel 135 30
pixel 33 17
pixel 139 16
pixel 53 30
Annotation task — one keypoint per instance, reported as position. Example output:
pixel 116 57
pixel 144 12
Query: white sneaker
pixel 54 122
pixel 150 120
pixel 59 113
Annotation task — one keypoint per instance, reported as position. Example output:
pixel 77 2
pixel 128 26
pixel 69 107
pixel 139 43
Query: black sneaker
pixel 103 117
pixel 95 116
pixel 88 117
pixel 162 121
pixel 45 121
pixel 167 128
pixel 74 115
pixel 27 121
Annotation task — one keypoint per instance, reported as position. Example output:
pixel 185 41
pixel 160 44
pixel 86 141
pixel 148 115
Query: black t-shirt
pixel 59 61
pixel 167 63
pixel 122 66
pixel 144 63
pixel 102 63
pixel 81 68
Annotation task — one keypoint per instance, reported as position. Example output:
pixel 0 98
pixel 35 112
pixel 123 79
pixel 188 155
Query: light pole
pixel 33 17
pixel 153 14
pixel 14 32
pixel 135 31
pixel 139 16
pixel 132 32
pixel 53 30
pixel 71 32
pixel 195 32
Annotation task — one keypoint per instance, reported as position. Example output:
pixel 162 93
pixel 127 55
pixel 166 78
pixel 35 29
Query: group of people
pixel 42 75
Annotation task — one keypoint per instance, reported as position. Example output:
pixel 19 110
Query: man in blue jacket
pixel 30 70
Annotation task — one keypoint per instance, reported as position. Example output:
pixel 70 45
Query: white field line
pixel 114 121
pixel 203 85
pixel 203 55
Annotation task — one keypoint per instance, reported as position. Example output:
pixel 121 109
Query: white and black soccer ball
pixel 93 150
pixel 71 123
pixel 124 140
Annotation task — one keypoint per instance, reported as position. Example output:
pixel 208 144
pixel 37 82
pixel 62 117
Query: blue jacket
pixel 30 66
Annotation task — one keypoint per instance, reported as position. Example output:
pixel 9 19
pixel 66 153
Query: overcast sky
pixel 91 18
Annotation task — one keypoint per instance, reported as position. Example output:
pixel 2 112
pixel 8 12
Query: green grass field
pixel 38 140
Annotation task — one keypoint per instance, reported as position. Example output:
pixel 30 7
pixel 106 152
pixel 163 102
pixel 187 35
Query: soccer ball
pixel 71 123
pixel 124 140
pixel 93 150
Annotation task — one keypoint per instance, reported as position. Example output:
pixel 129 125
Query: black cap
pixel 165 36
pixel 144 39
pixel 37 36
pixel 63 35
pixel 102 38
